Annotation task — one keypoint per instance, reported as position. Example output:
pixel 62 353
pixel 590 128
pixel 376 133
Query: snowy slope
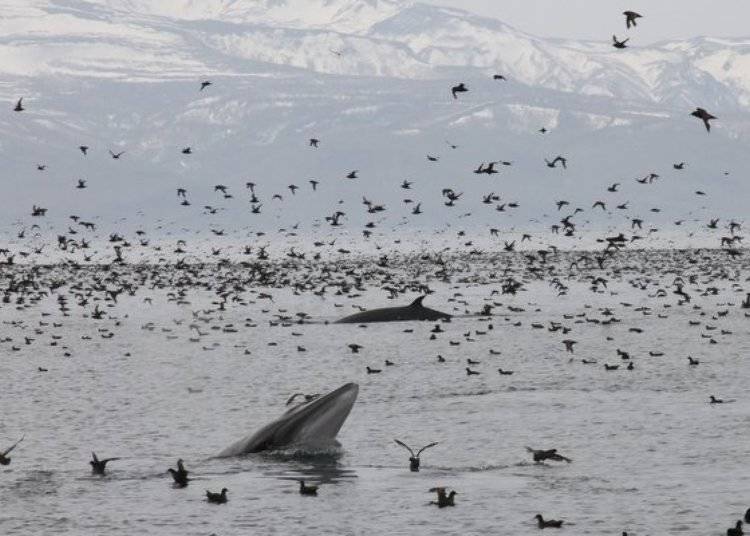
pixel 385 38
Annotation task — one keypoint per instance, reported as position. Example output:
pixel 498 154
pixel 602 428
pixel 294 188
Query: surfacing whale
pixel 413 311
pixel 312 423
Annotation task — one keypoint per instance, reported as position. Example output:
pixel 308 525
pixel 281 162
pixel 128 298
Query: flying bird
pixel 630 17
pixel 460 88
pixel 704 116
pixel 619 44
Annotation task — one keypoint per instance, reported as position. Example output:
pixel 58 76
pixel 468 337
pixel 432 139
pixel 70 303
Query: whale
pixel 414 311
pixel 313 423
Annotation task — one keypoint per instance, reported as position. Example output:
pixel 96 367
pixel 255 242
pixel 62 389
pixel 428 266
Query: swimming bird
pixel 548 523
pixel 619 44
pixel 460 88
pixel 4 459
pixel 98 466
pixel 736 530
pixel 307 490
pixel 443 499
pixel 217 498
pixel 630 17
pixel 541 455
pixel 180 475
pixel 704 116
pixel 414 459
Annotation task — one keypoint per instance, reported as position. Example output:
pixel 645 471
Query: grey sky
pixel 599 19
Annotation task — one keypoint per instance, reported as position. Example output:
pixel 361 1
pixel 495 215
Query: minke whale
pixel 311 423
pixel 413 311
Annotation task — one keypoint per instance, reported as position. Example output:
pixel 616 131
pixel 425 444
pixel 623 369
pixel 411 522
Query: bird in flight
pixel 704 116
pixel 619 44
pixel 116 156
pixel 562 160
pixel 205 84
pixel 460 88
pixel 19 106
pixel 630 17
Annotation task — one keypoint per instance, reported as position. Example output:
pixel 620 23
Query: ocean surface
pixel 186 362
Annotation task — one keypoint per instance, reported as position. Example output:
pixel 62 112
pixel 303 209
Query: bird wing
pixel 401 443
pixel 93 455
pixel 107 460
pixel 291 398
pixel 10 449
pixel 425 448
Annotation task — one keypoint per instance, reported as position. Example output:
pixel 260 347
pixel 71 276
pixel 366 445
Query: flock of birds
pixel 89 287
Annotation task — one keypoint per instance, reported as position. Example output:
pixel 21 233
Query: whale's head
pixel 311 423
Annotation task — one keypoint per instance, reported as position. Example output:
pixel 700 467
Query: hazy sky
pixel 599 19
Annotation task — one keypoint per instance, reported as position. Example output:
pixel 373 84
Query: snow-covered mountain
pixel 385 38
pixel 371 79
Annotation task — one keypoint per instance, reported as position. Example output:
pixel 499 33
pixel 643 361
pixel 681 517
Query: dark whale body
pixel 414 311
pixel 314 423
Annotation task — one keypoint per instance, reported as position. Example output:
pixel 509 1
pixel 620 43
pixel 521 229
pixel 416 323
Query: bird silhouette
pixel 704 116
pixel 630 18
pixel 414 460
pixel 619 44
pixel 460 88
pixel 4 458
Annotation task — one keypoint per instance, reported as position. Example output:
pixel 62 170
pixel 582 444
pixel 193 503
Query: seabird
pixel 414 459
pixel 630 17
pixel 4 459
pixel 217 498
pixel 98 466
pixel 704 116
pixel 307 490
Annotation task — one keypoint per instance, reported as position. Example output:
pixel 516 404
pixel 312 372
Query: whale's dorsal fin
pixel 418 302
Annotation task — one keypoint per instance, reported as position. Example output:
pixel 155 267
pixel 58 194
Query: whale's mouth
pixel 309 426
